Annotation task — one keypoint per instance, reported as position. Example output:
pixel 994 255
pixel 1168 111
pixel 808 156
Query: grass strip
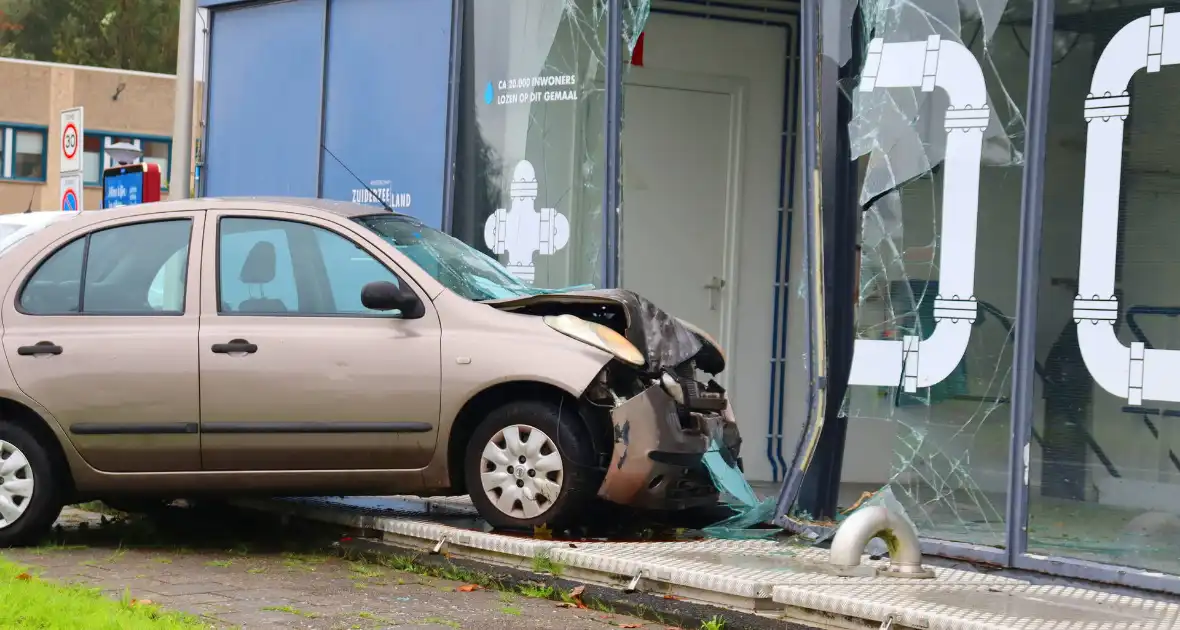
pixel 26 602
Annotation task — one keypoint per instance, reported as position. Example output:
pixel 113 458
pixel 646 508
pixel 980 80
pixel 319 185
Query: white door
pixel 680 148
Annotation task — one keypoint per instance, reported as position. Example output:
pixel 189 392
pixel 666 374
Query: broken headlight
pixel 598 336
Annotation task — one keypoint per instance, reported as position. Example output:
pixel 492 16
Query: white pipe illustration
pixel 950 66
pixel 1134 372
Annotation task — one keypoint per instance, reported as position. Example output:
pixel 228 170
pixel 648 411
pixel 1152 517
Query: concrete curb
pixel 653 608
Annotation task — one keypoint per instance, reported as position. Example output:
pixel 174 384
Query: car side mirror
pixel 387 296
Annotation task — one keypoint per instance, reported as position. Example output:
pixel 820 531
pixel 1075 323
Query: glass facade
pixel 1010 177
pixel 529 170
pixel 1108 409
pixel 937 132
pixel 1049 442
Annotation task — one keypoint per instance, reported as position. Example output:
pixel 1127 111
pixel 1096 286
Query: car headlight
pixel 704 335
pixel 597 335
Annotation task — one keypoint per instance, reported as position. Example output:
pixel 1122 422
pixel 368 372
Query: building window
pixel 23 153
pixel 92 146
pixel 156 150
pixel 932 435
pixel 530 137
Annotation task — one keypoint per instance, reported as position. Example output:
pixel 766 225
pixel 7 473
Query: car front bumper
pixel 657 462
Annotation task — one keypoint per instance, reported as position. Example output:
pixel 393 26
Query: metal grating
pixel 755 575
pixel 961 607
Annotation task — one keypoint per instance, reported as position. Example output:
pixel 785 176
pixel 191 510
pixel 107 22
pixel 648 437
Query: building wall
pixel 291 75
pixel 138 104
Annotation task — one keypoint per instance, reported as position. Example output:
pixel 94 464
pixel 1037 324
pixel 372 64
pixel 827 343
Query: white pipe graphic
pixel 1134 372
pixel 950 66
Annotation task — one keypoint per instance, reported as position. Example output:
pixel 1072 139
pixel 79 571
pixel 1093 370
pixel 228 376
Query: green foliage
pixel 126 34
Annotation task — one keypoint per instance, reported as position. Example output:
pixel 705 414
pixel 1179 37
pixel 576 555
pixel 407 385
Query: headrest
pixel 259 267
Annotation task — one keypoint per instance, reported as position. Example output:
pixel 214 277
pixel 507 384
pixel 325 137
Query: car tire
pixel 30 487
pixel 531 463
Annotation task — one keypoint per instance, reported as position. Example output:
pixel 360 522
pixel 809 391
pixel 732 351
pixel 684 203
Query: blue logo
pixel 489 94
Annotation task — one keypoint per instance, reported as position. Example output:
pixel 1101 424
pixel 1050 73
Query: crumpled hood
pixel 664 340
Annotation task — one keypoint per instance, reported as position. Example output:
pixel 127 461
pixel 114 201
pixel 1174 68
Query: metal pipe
pixel 878 521
pixel 1024 352
pixel 182 120
pixel 812 266
pixel 612 128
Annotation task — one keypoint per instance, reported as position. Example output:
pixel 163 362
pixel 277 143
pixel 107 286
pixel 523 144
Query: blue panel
pixel 265 64
pixel 388 65
pixel 122 189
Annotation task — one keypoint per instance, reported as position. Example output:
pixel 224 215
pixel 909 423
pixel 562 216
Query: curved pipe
pixel 913 362
pixel 877 521
pixel 1134 372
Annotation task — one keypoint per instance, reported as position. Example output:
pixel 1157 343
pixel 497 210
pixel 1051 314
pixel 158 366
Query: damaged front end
pixel 664 415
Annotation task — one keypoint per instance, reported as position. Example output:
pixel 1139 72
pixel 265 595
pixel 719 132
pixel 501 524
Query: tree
pixel 126 34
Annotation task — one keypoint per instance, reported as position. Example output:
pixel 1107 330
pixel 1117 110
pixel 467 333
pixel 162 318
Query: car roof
pixel 342 208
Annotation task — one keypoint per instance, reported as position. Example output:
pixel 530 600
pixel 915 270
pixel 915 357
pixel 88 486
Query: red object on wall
pixel 637 52
pixel 151 182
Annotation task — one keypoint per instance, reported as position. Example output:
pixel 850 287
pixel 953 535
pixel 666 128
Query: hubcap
pixel 16 484
pixel 521 471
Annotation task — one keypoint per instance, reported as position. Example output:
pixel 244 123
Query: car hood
pixel 664 340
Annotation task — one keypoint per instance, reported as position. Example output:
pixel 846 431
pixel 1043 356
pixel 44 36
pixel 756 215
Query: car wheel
pixel 30 496
pixel 531 463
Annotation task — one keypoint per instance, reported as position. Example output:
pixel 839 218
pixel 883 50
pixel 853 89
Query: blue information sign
pixel 122 189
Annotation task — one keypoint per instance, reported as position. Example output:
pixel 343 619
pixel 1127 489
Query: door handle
pixel 41 347
pixel 715 285
pixel 235 345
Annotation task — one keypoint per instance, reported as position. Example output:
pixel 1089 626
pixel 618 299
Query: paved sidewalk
pixel 251 580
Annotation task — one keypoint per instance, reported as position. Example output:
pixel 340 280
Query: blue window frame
pixel 156 149
pixel 23 150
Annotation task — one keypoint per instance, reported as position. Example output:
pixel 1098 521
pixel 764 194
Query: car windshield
pixel 458 266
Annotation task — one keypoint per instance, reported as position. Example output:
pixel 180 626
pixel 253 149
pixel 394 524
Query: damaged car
pixel 276 347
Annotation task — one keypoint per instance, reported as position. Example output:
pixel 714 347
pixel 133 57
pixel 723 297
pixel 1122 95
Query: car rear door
pixel 295 373
pixel 100 328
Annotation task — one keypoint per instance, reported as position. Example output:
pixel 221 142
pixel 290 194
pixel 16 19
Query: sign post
pixel 70 158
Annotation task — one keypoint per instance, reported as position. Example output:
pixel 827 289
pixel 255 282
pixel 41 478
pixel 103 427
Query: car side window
pixel 114 271
pixel 279 267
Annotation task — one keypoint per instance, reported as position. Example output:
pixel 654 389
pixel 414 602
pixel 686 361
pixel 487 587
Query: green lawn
pixel 28 602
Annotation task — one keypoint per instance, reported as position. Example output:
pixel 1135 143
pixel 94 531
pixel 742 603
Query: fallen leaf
pixel 566 605
pixel 542 532
pixel 672 597
pixel 576 595
pixel 467 588
pixel 24 576
pixel 630 625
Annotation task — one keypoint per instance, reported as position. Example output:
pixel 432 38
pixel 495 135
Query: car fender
pixel 493 348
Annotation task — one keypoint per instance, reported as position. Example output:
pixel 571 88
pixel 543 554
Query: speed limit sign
pixel 71 138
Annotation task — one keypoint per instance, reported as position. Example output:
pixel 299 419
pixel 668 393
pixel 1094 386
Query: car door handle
pixel 235 345
pixel 41 347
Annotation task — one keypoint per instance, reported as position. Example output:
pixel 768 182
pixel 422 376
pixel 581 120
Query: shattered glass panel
pixel 937 133
pixel 529 166
pixel 1105 457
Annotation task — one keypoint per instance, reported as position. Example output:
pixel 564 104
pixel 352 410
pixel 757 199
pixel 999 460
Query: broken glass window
pixel 937 132
pixel 529 167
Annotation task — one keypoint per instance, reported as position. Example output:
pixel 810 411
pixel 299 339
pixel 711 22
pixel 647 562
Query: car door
pixel 295 373
pixel 100 329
